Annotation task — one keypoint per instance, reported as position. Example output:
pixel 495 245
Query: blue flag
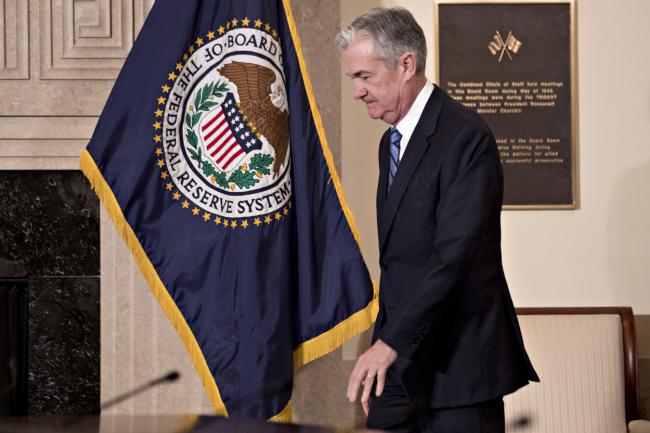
pixel 211 159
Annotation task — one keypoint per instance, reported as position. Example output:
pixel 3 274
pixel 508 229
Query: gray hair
pixel 394 32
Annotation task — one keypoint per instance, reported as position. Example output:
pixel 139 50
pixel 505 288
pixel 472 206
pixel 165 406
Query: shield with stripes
pixel 227 135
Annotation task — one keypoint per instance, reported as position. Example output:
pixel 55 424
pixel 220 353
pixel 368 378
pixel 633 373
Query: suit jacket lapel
pixel 415 149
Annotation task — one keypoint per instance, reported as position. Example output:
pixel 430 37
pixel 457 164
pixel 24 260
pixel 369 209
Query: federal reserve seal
pixel 223 140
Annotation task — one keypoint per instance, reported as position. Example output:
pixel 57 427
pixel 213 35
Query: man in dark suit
pixel 447 345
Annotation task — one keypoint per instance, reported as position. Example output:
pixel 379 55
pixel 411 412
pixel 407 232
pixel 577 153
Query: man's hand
pixel 370 366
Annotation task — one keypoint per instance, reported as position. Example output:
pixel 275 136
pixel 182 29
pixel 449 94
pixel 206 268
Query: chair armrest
pixel 639 426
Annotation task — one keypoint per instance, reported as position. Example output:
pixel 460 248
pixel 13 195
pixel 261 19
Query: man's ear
pixel 408 63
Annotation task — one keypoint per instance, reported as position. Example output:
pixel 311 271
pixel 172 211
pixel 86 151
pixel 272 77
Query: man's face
pixel 378 86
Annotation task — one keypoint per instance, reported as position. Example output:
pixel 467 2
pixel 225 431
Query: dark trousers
pixel 393 412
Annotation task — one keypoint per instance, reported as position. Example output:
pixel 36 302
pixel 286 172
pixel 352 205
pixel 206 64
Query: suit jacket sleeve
pixel 470 194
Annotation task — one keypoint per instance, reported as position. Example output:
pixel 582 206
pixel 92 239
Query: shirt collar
pixel 407 125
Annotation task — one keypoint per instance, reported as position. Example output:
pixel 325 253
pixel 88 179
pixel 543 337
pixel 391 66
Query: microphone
pixel 172 376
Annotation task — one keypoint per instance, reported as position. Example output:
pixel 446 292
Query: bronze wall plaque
pixel 513 62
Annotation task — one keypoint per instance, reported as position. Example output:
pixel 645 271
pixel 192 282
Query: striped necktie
pixel 395 138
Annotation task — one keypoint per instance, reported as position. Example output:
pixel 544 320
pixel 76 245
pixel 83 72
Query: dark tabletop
pixel 152 424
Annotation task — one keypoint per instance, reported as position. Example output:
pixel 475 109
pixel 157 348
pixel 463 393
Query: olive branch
pixel 205 99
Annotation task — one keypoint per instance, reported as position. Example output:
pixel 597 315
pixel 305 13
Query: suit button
pixel 383 266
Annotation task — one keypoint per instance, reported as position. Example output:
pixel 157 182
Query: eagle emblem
pixel 262 104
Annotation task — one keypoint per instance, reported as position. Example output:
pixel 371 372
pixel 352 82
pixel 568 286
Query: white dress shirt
pixel 407 125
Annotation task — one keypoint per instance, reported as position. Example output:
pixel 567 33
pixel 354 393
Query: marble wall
pixel 49 235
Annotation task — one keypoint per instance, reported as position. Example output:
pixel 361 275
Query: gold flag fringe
pixel 285 415
pixel 339 334
pixel 106 196
pixel 363 319
pixel 187 423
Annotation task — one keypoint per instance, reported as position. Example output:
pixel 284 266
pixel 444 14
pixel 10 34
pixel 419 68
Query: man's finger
pixel 367 387
pixel 354 382
pixel 381 380
pixel 353 387
pixel 366 406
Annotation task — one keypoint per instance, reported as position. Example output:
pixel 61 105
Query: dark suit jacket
pixel 444 301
